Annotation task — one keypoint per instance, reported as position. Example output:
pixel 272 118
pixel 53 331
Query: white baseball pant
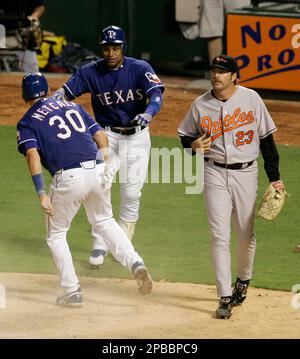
pixel 231 193
pixel 70 189
pixel 130 156
pixel 28 61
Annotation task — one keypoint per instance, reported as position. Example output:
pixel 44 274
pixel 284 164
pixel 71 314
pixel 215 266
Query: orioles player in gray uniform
pixel 230 124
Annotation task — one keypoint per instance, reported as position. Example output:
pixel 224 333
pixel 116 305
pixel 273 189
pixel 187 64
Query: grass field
pixel 172 235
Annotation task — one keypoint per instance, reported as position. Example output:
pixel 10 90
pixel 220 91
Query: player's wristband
pixel 38 181
pixel 155 103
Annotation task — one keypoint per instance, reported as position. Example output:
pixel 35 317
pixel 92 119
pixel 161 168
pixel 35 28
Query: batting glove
pixel 142 119
pixel 58 96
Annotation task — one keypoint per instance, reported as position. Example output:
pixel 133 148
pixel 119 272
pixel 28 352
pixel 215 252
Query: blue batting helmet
pixel 113 35
pixel 34 85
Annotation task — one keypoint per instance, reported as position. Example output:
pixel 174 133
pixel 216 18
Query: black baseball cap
pixel 224 62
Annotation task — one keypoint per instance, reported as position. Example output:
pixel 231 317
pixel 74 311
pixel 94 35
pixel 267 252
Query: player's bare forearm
pixel 37 13
pixel 102 143
pixel 33 161
pixel 35 169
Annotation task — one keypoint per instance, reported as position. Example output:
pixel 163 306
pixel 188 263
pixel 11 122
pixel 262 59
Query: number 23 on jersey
pixel 244 137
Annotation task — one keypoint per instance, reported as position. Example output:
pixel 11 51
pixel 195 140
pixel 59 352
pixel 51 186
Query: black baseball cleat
pixel 225 308
pixel 239 291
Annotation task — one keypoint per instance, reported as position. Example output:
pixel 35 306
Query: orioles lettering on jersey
pixel 117 97
pixel 230 122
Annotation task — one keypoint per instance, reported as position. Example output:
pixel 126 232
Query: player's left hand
pixel 278 185
pixel 273 200
pixel 142 119
pixel 46 205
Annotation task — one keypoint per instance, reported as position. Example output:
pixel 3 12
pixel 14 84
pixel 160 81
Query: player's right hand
pixel 108 173
pixel 46 205
pixel 201 144
pixel 142 119
pixel 58 95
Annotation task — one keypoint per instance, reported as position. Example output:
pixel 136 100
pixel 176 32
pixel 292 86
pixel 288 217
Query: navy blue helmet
pixel 113 35
pixel 34 85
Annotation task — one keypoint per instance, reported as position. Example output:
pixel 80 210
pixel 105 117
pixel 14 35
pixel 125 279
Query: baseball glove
pixel 36 32
pixel 32 34
pixel 273 201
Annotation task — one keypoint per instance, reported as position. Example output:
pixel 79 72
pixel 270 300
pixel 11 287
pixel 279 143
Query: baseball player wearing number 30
pixel 63 136
pixel 230 124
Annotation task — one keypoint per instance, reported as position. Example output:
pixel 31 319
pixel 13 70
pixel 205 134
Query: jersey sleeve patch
pixel 152 78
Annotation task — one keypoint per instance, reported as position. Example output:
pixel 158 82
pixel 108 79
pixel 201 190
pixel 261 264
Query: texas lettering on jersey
pixel 230 122
pixel 117 96
pixel 121 96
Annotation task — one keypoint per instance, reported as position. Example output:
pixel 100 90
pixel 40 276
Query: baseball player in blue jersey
pixel 125 94
pixel 62 137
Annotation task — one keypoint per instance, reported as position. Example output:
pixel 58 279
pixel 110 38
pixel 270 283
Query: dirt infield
pixel 113 308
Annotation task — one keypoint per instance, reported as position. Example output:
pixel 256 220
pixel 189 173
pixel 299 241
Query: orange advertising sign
pixel 267 50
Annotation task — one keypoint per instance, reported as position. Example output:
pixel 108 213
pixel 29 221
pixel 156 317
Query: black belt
pixel 127 130
pixel 233 166
pixel 78 165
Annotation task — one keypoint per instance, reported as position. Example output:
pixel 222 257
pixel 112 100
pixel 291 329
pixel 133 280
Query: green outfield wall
pixel 150 26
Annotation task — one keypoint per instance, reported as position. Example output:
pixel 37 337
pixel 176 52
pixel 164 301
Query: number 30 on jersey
pixel 73 118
